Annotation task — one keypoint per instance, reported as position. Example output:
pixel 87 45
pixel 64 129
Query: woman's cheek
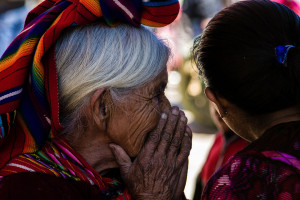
pixel 140 128
pixel 149 119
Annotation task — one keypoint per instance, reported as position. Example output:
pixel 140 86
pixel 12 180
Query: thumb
pixel 122 159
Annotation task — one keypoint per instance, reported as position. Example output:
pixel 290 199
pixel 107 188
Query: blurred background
pixel 185 88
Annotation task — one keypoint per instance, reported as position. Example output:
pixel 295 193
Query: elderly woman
pixel 83 110
pixel 249 57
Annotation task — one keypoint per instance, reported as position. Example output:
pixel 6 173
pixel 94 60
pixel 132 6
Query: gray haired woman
pixel 120 138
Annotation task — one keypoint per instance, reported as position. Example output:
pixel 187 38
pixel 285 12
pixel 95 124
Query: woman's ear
pixel 99 109
pixel 218 102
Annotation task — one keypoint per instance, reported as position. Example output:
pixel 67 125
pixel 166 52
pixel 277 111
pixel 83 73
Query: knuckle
pixel 186 148
pixel 183 156
pixel 154 137
pixel 167 137
pixel 176 142
pixel 180 130
pixel 169 129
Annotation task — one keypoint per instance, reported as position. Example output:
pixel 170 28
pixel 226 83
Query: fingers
pixel 186 146
pixel 154 170
pixel 154 137
pixel 178 135
pixel 122 159
pixel 168 131
pixel 171 139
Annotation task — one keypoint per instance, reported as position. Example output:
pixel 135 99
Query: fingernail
pixel 164 116
pixel 187 135
pixel 175 112
pixel 183 118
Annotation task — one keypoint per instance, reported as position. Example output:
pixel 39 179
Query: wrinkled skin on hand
pixel 160 169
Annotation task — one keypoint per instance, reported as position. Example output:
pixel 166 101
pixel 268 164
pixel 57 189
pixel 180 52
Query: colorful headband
pixel 28 79
pixel 282 53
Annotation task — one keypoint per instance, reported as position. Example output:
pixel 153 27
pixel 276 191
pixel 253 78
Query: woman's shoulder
pixel 43 186
pixel 249 175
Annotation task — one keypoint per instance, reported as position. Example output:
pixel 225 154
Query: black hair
pixel 236 56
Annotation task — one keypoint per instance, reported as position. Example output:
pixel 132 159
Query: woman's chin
pixel 132 154
pixel 133 151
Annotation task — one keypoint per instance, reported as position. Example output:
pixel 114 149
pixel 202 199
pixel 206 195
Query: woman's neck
pixel 251 127
pixel 283 116
pixel 93 147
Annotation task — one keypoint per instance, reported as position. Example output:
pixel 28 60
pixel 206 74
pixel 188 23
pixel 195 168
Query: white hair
pixel 97 56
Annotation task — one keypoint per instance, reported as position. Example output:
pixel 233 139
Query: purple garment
pixel 269 168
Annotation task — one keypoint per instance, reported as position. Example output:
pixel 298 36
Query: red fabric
pixel 52 90
pixel 233 147
pixel 292 4
pixel 210 164
pixel 219 154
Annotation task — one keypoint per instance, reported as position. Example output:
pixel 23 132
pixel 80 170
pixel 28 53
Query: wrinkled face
pixel 137 114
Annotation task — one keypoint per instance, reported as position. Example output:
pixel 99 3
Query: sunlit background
pixel 185 88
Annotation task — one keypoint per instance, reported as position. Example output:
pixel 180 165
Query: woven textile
pixel 29 109
pixel 58 159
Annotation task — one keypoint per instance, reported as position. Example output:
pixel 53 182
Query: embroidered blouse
pixel 269 168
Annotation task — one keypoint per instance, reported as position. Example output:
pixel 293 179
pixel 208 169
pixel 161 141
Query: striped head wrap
pixel 29 109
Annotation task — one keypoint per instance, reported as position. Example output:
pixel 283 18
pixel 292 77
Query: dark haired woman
pixel 249 58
